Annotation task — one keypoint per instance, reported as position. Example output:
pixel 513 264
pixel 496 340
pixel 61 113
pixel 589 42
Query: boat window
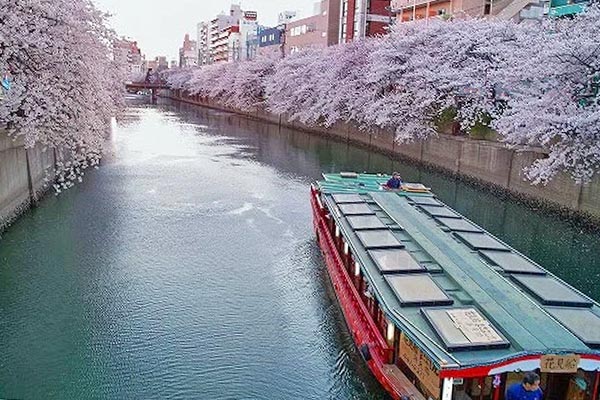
pixel 359 222
pixel 550 291
pixel 464 329
pixel 512 262
pixel 583 323
pixel 458 225
pixel 480 241
pixel 390 261
pixel 378 239
pixel 355 209
pixel 417 289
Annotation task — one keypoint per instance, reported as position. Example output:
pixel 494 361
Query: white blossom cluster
pixel 65 86
pixel 534 84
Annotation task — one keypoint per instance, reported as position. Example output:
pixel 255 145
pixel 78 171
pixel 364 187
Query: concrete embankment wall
pixel 22 173
pixel 486 162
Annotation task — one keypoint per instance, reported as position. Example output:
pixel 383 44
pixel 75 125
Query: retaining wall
pixel 22 173
pixel 488 162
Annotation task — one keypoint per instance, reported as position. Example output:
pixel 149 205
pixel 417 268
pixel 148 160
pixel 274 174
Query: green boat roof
pixel 461 294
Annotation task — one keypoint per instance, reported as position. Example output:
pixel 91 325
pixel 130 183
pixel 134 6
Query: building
pixel 203 42
pixel 188 53
pixel 248 25
pixel 228 37
pixel 128 54
pixel 220 29
pixel 318 31
pixel 161 63
pixel 271 40
pixel 362 18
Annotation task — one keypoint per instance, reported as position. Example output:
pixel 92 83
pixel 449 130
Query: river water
pixel 186 267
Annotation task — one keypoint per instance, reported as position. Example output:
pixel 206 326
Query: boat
pixel 441 309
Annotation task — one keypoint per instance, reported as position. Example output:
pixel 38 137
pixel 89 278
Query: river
pixel 186 267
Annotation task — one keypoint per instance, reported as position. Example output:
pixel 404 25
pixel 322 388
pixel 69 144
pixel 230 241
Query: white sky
pixel 159 26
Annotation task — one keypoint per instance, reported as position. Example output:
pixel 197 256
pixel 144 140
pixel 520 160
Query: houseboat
pixel 441 309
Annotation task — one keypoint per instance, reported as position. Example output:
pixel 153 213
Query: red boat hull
pixel 362 326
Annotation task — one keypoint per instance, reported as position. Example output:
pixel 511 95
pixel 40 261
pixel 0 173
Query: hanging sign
pixel 563 364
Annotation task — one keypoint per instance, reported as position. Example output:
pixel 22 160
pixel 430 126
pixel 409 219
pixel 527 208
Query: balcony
pixel 400 4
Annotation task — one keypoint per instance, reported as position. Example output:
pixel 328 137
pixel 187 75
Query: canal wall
pixel 22 173
pixel 484 162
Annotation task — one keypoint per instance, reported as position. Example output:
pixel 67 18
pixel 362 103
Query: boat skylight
pixel 360 222
pixel 480 241
pixel 425 200
pixel 347 198
pixel 582 322
pixel 550 291
pixel 512 262
pixel 436 211
pixel 355 209
pixel 417 290
pixel 458 225
pixel 378 239
pixel 390 261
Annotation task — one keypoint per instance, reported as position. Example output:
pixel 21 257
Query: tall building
pixel 361 18
pixel 220 29
pixel 317 31
pixel 248 24
pixel 188 53
pixel 128 54
pixel 203 40
pixel 228 37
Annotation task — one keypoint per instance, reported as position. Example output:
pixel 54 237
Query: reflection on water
pixel 186 267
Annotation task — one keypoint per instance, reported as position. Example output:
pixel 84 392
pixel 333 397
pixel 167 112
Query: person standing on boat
pixel 394 183
pixel 529 389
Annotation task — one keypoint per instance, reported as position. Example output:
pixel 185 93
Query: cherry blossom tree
pixel 293 88
pixel 65 88
pixel 249 84
pixel 554 101
pixel 178 78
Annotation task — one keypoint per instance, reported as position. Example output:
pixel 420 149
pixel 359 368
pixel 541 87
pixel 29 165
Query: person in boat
pixel 529 389
pixel 394 183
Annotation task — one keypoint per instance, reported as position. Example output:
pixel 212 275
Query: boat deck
pixel 400 383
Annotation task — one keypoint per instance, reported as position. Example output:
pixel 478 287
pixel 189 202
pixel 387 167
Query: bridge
pixel 154 87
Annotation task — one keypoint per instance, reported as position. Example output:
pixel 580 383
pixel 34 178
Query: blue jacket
pixel 518 392
pixel 394 183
